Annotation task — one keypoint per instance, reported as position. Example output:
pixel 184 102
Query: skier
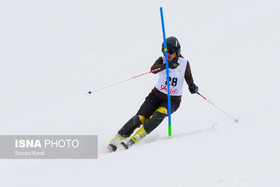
pixel 154 109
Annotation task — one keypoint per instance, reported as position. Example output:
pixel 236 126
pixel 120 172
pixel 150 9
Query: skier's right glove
pixel 173 64
pixel 193 88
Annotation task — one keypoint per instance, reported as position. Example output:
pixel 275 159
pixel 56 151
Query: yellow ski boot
pixel 115 142
pixel 141 133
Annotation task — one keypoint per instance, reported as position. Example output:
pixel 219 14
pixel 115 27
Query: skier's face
pixel 171 56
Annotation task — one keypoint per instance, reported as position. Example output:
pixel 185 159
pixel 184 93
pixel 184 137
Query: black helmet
pixel 173 46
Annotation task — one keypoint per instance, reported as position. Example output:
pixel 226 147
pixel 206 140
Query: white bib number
pixel 176 78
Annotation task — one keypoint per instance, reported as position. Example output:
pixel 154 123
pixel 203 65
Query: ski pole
pixel 235 120
pixel 116 83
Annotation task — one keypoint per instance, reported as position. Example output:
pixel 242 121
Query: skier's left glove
pixel 193 88
pixel 173 64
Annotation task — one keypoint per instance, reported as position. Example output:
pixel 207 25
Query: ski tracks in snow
pixel 193 133
pixel 155 138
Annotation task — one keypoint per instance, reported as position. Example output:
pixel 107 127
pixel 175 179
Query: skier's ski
pixel 112 147
pixel 128 144
pixel 124 145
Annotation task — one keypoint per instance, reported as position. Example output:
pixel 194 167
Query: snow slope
pixel 53 52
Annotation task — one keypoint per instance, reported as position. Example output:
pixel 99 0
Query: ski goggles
pixel 170 51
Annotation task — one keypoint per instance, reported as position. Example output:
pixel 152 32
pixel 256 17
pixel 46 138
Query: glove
pixel 173 64
pixel 193 88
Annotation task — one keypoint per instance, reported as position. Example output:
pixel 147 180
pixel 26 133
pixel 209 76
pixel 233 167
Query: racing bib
pixel 176 78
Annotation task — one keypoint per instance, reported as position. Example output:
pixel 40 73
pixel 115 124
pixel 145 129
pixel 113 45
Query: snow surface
pixel 53 52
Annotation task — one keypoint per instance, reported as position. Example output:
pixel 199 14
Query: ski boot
pixel 115 142
pixel 126 131
pixel 147 127
pixel 141 133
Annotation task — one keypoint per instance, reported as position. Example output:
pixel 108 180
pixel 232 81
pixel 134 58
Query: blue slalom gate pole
pixel 167 72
